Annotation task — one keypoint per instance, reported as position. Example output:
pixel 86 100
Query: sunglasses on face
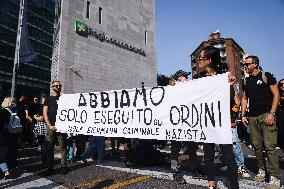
pixel 56 85
pixel 247 64
pixel 202 58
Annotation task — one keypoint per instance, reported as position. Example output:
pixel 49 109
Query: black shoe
pixel 64 170
pixel 84 161
pixel 179 178
pixel 197 173
pixel 48 172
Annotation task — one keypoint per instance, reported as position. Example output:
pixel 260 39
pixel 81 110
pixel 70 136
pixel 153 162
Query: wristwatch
pixel 273 113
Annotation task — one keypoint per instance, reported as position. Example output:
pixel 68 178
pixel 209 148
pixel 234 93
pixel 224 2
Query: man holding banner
pixel 49 113
pixel 210 61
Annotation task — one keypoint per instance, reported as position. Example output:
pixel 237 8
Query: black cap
pixel 181 73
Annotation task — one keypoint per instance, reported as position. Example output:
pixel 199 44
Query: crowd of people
pixel 259 121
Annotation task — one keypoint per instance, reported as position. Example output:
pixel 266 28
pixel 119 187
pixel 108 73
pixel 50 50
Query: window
pixel 88 9
pixel 100 15
pixel 145 37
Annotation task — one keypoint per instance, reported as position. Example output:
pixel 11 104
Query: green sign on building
pixel 81 28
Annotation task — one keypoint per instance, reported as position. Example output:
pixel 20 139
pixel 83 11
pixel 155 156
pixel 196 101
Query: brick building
pixel 231 53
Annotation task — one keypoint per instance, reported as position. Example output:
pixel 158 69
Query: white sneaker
pixel 260 177
pixel 243 172
pixel 274 183
pixel 224 168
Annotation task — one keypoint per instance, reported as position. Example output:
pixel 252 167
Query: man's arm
pixel 244 109
pixel 276 97
pixel 270 119
pixel 45 116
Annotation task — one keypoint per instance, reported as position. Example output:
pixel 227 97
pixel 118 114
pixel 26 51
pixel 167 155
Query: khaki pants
pixel 51 138
pixel 258 129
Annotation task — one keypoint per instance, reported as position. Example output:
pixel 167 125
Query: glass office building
pixel 32 77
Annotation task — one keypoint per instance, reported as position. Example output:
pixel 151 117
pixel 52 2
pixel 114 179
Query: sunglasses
pixel 202 58
pixel 281 84
pixel 56 85
pixel 247 64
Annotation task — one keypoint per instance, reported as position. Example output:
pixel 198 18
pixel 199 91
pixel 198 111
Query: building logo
pixel 81 28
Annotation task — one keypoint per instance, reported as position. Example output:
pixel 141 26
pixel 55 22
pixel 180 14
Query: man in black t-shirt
pixel 49 113
pixel 262 91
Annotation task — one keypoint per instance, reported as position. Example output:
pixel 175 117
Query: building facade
pixel 32 77
pixel 231 54
pixel 104 45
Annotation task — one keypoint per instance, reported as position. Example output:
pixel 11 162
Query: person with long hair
pixel 8 106
pixel 210 62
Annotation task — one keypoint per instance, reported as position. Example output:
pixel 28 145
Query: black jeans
pixel 175 149
pixel 80 141
pixel 229 160
pixel 12 142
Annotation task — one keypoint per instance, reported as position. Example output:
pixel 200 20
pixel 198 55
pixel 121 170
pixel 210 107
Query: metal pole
pixel 16 58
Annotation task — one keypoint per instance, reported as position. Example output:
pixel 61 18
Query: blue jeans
pixel 3 167
pixel 70 148
pixel 237 150
pixel 96 142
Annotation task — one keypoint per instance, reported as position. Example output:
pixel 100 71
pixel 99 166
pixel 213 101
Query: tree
pixel 162 80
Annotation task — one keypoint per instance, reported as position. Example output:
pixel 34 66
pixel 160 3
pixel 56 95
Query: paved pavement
pixel 113 174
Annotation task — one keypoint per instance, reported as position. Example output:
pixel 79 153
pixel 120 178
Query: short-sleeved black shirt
pixel 259 94
pixel 40 110
pixel 21 112
pixel 33 109
pixel 51 103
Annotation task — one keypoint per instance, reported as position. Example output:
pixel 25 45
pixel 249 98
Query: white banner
pixel 196 110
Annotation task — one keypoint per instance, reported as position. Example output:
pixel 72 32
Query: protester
pixel 280 115
pixel 80 143
pixel 238 152
pixel 40 131
pixel 70 144
pixel 210 61
pixel 8 104
pixel 115 151
pixel 179 77
pixel 32 111
pixel 95 143
pixel 263 94
pixel 143 153
pixel 13 137
pixel 49 113
pixel 26 135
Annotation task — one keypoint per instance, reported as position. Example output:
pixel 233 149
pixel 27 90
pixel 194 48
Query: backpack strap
pixel 10 111
pixel 264 78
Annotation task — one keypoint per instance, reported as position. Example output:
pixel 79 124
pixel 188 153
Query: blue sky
pixel 256 25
